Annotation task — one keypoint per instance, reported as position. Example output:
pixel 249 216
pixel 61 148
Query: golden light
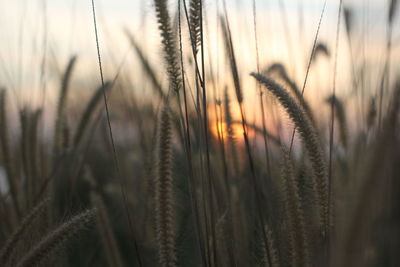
pixel 220 129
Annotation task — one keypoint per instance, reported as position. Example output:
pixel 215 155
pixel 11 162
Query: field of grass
pixel 215 166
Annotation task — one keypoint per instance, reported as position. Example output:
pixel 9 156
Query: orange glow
pixel 221 129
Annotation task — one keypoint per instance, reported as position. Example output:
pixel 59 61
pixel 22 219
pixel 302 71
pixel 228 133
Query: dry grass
pixel 169 190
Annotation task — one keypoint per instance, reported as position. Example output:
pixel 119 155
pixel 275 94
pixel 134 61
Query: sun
pixel 220 130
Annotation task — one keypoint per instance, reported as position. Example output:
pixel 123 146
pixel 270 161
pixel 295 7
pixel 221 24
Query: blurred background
pixel 55 135
pixel 38 37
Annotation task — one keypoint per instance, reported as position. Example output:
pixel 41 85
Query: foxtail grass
pixel 340 114
pixel 88 113
pixel 11 244
pixel 321 49
pixel 194 21
pixel 56 239
pixel 310 139
pixel 61 105
pixel 165 217
pixel 169 44
pixel 298 237
pixel 270 249
pixel 280 70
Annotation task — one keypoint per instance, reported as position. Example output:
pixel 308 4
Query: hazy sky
pixel 59 28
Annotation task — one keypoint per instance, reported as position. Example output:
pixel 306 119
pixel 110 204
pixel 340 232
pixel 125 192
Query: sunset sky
pixel 61 28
